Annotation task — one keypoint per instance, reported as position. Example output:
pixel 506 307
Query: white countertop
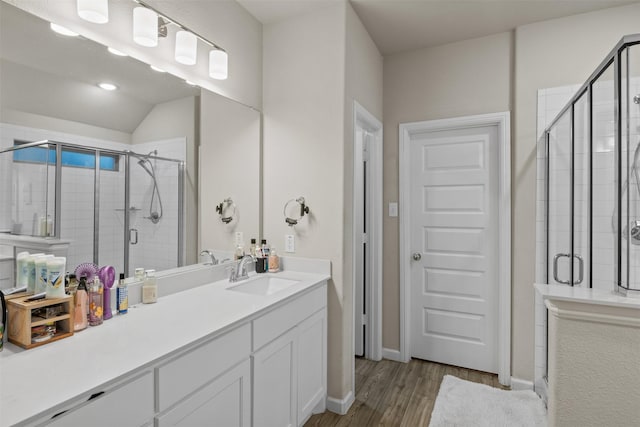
pixel 586 296
pixel 48 377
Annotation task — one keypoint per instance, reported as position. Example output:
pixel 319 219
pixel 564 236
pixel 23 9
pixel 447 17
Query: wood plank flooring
pixel 397 394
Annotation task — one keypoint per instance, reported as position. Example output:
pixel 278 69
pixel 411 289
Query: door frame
pixel 362 119
pixel 502 120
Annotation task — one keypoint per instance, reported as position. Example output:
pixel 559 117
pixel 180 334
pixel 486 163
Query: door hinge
pixel 365 238
pixel 365 319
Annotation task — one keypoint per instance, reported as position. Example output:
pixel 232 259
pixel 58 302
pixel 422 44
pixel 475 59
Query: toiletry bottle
pixel 22 269
pixel 265 254
pixel 259 260
pixel 72 286
pixel 41 273
pixel 274 261
pixel 55 277
pixel 122 296
pixel 252 248
pixel 150 288
pixel 31 272
pixel 139 274
pixel 95 302
pixel 80 312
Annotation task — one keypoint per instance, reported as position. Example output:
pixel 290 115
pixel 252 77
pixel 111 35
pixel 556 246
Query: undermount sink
pixel 263 285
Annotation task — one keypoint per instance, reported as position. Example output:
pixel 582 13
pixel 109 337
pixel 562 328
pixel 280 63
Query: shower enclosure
pixel 117 208
pixel 590 185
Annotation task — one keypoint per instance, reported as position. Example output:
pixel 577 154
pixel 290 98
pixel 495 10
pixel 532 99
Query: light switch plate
pixel 289 243
pixel 239 238
pixel 393 209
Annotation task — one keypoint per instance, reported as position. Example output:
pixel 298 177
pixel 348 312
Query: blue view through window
pixel 72 158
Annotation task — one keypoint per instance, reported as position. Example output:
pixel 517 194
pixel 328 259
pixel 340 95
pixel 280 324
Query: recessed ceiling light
pixel 63 30
pixel 154 68
pixel 107 86
pixel 116 52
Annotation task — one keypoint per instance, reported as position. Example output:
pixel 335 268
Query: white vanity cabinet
pixel 226 401
pixel 289 371
pixel 214 378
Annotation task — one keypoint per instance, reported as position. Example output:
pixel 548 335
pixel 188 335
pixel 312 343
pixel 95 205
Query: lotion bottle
pixel 150 288
pixel 80 312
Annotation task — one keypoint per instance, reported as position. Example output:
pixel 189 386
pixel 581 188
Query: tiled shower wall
pixel 25 187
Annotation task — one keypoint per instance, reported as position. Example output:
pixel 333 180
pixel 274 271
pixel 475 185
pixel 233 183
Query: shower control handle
pixel 133 236
pixel 417 256
pixel 555 268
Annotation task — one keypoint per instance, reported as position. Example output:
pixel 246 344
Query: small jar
pixel 95 302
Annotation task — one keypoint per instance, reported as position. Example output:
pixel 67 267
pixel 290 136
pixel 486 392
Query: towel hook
pixel 222 209
pixel 304 209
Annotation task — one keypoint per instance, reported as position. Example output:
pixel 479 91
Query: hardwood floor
pixel 397 394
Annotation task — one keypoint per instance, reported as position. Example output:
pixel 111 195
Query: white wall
pixel 303 143
pixel 548 54
pixel 457 79
pixel 178 118
pixel 229 167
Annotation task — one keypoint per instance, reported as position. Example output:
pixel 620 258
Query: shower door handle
pixel 133 236
pixel 555 268
pixel 580 269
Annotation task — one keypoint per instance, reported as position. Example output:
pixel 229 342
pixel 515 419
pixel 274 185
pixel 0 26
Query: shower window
pixel 70 157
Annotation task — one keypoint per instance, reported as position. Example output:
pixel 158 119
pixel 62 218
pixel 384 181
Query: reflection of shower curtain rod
pixel 84 147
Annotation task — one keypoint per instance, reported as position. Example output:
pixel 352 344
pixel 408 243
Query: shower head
pixel 143 163
pixel 636 99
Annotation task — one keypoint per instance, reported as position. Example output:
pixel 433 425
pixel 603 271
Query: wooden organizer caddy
pixel 20 319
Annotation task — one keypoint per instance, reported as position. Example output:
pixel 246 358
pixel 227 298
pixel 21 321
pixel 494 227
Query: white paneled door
pixel 454 246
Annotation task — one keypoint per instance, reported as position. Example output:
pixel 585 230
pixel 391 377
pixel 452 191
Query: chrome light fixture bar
pixel 186 44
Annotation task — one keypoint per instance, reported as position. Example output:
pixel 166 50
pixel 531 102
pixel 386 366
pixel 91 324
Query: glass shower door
pixel 581 192
pixel 154 214
pixel 559 201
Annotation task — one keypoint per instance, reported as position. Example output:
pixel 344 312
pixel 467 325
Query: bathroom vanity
pixel 242 354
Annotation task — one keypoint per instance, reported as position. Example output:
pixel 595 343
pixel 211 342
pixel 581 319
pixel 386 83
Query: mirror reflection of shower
pixel 155 207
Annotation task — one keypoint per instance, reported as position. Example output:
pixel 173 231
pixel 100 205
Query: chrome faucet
pixel 240 272
pixel 212 258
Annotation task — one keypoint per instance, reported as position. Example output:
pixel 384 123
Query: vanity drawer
pixel 190 371
pixel 273 324
pixel 131 404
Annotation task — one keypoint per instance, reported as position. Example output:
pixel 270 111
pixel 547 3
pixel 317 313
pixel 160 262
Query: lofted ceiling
pixel 401 25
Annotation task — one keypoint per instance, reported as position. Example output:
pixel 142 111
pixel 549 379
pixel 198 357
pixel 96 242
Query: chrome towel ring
pixel 304 209
pixel 222 210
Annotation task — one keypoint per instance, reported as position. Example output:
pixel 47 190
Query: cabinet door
pixel 225 402
pixel 312 364
pixel 275 383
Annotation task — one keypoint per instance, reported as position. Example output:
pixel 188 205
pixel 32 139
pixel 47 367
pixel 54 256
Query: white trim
pixel 585 316
pixel 502 120
pixel 340 406
pixel 518 384
pixel 362 119
pixel 391 354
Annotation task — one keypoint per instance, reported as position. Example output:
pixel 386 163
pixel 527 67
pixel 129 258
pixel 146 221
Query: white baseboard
pixel 340 406
pixel 391 354
pixel 518 384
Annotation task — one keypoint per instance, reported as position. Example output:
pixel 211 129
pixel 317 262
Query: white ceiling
pixel 404 25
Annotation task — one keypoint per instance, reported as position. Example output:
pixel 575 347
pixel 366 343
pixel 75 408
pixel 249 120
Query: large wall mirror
pixel 132 176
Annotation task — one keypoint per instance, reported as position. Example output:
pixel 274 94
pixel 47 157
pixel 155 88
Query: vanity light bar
pixel 186 46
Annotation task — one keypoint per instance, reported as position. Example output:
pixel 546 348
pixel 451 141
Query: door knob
pixel 417 256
